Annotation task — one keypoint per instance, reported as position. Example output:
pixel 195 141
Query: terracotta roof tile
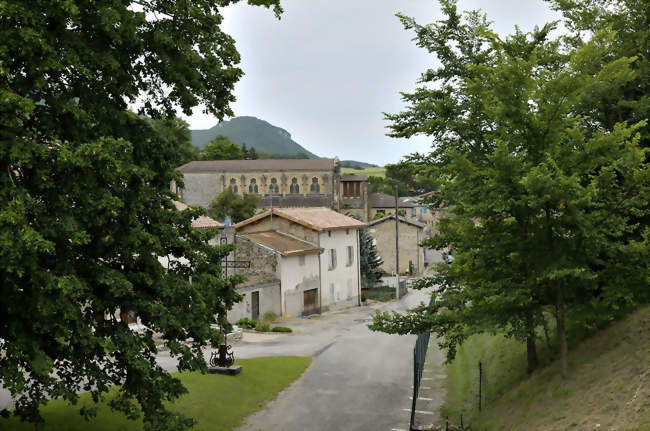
pixel 316 218
pixel 259 165
pixel 201 221
pixel 283 243
pixel 401 219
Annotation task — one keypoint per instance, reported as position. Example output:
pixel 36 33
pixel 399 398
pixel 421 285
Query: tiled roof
pixel 259 165
pixel 283 243
pixel 315 218
pixel 382 200
pixel 401 219
pixel 201 221
pixel 354 178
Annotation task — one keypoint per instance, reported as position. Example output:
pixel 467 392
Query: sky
pixel 328 69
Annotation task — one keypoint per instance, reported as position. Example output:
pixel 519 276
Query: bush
pixel 281 329
pixel 269 316
pixel 262 326
pixel 247 323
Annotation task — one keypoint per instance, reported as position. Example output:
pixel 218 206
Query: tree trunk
pixel 561 331
pixel 531 353
pixel 548 339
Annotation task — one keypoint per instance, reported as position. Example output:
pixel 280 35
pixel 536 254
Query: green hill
pixel 353 164
pixel 253 132
pixel 608 386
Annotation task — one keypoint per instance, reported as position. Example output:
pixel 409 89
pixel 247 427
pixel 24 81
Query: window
pixel 351 189
pixel 301 260
pixel 252 187
pixel 350 255
pixel 331 258
pixel 274 188
pixel 233 185
pixel 294 188
pixel 414 212
pixel 315 187
pixel 381 211
pixel 424 210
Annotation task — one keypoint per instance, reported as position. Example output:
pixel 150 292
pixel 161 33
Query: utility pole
pixel 396 243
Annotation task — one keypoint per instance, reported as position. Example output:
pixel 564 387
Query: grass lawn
pixel 375 172
pixel 608 385
pixel 217 402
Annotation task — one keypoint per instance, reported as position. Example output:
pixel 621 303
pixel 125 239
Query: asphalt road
pixel 359 380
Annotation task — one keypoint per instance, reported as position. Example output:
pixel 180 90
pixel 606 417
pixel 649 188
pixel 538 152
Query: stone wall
pixel 263 263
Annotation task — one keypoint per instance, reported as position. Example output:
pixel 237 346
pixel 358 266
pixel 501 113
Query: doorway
pixel 255 299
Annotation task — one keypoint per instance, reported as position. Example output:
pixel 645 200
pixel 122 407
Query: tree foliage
pixel 228 203
pixel 542 195
pixel 369 259
pixel 177 131
pixel 220 148
pixel 85 203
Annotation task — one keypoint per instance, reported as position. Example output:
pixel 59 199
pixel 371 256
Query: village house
pixel 316 254
pixel 411 234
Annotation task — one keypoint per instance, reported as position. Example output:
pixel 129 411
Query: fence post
pixel 480 379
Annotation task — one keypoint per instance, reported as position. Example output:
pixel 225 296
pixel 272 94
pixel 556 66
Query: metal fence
pixel 419 356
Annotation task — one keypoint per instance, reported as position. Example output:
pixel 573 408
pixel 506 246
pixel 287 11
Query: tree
pixel 252 154
pixel 369 259
pixel 541 198
pixel 228 203
pixel 220 148
pixel 85 206
pixel 178 133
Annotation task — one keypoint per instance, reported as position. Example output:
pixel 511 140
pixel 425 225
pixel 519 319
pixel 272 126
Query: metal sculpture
pixel 224 356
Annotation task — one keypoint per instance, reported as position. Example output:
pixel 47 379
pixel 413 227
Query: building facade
pixel 411 235
pixel 276 183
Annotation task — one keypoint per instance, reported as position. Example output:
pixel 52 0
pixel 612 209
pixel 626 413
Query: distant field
pixel 375 172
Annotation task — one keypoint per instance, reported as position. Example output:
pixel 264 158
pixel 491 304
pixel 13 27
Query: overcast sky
pixel 327 69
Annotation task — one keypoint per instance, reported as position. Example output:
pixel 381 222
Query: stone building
pixel 328 279
pixel 281 275
pixel 354 197
pixel 277 183
pixel 411 234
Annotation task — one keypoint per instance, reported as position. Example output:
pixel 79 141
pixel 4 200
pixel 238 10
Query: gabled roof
pixel 201 221
pixel 314 218
pixel 282 243
pixel 352 177
pixel 382 200
pixel 401 219
pixel 259 165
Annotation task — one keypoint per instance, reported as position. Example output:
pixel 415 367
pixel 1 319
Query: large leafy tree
pixel 221 148
pixel 85 203
pixel 542 199
pixel 178 133
pixel 228 203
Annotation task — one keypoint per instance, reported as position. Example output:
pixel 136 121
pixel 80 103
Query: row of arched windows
pixel 274 188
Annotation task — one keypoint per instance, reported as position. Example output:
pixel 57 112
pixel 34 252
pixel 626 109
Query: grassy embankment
pixel 375 172
pixel 217 402
pixel 608 388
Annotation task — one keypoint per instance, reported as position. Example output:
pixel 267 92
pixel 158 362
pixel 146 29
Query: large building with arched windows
pixel 277 183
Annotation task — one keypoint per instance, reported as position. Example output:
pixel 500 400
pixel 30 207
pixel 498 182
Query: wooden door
pixel 255 299
pixel 311 304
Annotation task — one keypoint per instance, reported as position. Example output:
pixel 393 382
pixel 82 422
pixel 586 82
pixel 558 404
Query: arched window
pixel 315 187
pixel 294 189
pixel 274 188
pixel 252 187
pixel 233 185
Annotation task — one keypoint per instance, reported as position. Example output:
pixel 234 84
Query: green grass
pixel 375 172
pixel 217 402
pixel 608 384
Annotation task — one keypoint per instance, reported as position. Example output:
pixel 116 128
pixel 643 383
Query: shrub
pixel 281 329
pixel 269 316
pixel 262 326
pixel 247 323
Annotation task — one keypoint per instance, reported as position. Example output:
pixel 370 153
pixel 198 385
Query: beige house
pixel 354 201
pixel 281 183
pixel 327 279
pixel 411 234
